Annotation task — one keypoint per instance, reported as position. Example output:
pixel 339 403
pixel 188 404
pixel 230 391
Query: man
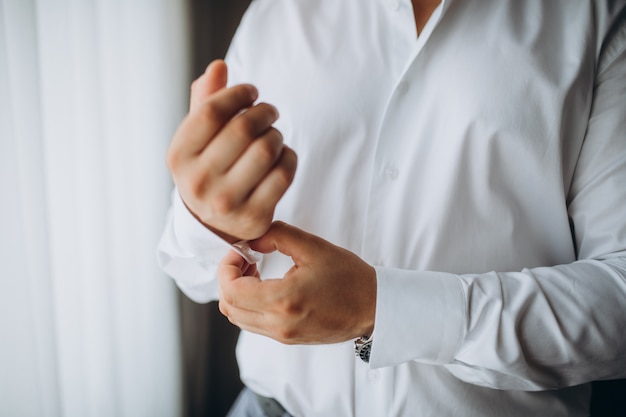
pixel 467 160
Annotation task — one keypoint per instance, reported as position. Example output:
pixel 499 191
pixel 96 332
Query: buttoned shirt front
pixel 480 167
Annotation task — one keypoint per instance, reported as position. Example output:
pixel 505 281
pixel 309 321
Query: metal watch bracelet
pixel 363 348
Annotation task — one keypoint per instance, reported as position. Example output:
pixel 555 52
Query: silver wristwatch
pixel 363 347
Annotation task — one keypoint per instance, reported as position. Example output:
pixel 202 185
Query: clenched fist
pixel 229 163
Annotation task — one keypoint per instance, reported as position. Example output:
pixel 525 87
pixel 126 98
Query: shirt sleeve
pixel 190 253
pixel 187 250
pixel 540 328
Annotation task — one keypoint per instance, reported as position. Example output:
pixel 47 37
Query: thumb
pixel 216 75
pixel 288 240
pixel 212 80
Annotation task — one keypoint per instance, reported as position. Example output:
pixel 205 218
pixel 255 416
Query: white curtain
pixel 90 93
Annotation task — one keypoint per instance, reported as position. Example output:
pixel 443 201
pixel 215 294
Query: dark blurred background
pixel 211 378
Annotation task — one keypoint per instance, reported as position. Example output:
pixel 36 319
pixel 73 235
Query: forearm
pixel 541 328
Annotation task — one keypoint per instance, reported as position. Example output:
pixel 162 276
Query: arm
pixel 561 326
pixel 535 329
pixel 230 168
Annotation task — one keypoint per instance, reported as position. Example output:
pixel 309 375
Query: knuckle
pixel 279 224
pixel 286 168
pixel 196 187
pixel 276 138
pixel 222 306
pixel 194 85
pixel 175 154
pixel 223 203
pixel 291 306
pixel 210 109
pixel 266 151
pixel 277 134
pixel 227 297
pixel 172 159
pixel 291 160
pixel 269 111
pixel 244 93
pixel 243 126
pixel 287 333
pixel 210 113
pixel 260 217
pixel 212 161
pixel 284 177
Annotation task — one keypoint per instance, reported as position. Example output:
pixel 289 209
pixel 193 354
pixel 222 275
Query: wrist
pixel 222 235
pixel 370 316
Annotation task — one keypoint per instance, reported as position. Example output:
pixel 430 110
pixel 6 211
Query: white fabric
pixel 465 152
pixel 90 92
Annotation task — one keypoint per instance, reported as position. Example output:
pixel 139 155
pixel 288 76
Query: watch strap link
pixel 363 348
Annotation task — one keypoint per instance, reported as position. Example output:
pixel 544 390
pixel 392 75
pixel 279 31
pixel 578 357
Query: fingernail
pixel 254 93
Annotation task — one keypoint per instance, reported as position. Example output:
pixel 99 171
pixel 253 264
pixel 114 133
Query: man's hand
pixel 228 162
pixel 328 296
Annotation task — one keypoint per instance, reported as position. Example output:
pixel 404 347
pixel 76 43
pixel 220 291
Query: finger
pixel 217 76
pixel 214 78
pixel 274 185
pixel 246 292
pixel 254 164
pixel 201 125
pixel 233 285
pixel 237 289
pixel 252 271
pixel 233 260
pixel 252 321
pixel 288 240
pixel 235 138
pixel 266 324
pixel 278 235
pixel 240 317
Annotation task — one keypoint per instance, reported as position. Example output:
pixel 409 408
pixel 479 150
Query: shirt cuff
pixel 420 316
pixel 190 253
pixel 199 241
pixel 194 238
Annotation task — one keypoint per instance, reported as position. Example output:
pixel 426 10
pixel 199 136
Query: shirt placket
pixel 406 47
pixel 403 34
pixel 373 395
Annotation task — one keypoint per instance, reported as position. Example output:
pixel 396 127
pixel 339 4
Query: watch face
pixel 364 352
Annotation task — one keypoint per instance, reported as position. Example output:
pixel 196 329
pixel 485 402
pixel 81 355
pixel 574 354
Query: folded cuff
pixel 420 316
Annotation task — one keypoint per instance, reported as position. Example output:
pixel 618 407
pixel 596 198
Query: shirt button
pixel 394 4
pixel 373 376
pixel 392 173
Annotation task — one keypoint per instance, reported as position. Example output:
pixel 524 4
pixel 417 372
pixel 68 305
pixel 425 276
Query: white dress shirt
pixel 480 167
